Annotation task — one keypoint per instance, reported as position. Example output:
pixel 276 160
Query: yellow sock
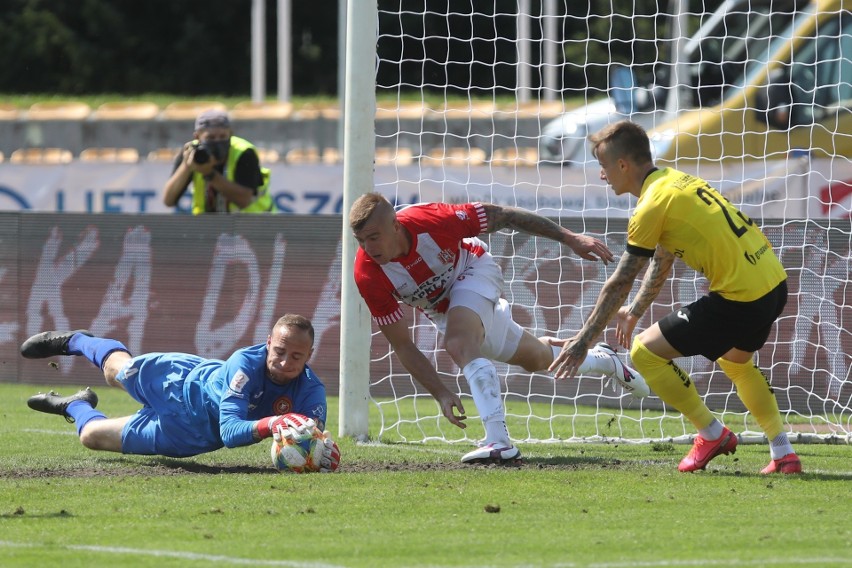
pixel 754 390
pixel 671 384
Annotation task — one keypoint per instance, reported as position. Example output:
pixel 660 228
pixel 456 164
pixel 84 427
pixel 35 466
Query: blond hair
pixel 623 139
pixel 365 206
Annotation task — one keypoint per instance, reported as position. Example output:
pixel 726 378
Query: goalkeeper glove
pixel 301 427
pixel 325 455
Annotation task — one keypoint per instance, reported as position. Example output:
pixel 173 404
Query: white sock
pixel 596 362
pixel 713 430
pixel 780 446
pixel 484 385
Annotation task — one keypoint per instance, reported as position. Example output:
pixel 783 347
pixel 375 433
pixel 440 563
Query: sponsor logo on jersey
pixel 428 287
pixel 683 182
pixel 425 293
pixel 446 256
pixel 461 214
pixel 318 412
pixel 282 405
pixel 682 316
pixel 238 381
pixel 753 258
pixel 417 261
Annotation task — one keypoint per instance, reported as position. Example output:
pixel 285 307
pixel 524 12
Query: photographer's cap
pixel 212 118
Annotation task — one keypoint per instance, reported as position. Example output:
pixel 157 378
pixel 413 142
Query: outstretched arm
pixel 611 298
pixel 502 217
pixel 423 372
pixel 656 275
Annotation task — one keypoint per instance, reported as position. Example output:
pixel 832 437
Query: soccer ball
pixel 303 451
pixel 290 455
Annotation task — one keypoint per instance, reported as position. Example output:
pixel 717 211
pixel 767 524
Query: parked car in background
pixel 758 80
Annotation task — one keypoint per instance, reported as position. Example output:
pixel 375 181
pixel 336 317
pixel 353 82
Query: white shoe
pixel 628 378
pixel 491 453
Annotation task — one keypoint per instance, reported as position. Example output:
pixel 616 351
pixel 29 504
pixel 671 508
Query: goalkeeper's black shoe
pixel 49 343
pixel 52 403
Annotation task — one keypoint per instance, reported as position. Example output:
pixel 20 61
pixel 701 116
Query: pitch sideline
pixel 256 562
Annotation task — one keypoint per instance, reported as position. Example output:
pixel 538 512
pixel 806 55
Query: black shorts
pixel 712 325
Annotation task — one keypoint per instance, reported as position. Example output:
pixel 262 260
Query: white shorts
pixel 479 288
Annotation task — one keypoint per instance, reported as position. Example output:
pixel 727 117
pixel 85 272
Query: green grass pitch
pixel 598 505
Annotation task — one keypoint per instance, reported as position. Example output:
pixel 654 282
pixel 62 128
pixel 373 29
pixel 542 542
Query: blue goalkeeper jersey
pixel 236 393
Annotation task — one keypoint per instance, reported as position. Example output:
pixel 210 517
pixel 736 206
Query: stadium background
pixel 201 47
pixel 201 296
pixel 210 286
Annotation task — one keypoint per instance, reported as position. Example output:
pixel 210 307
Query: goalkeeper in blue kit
pixel 193 405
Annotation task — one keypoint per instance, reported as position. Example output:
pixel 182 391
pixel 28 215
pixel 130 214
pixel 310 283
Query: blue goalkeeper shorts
pixel 173 420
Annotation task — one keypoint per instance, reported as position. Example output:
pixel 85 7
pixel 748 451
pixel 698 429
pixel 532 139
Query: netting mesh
pixel 485 101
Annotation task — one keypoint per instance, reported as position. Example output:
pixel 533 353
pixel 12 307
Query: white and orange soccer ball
pixel 304 451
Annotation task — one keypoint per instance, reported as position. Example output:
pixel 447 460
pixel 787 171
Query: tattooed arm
pixel 517 219
pixel 611 298
pixel 628 317
pixel 656 275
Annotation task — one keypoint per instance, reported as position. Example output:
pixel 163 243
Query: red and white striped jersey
pixel 444 243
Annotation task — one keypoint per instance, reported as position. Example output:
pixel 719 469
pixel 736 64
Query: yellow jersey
pixel 691 220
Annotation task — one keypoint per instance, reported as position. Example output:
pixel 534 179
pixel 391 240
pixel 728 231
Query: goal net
pixel 492 101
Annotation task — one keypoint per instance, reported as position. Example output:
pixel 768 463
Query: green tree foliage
pixel 190 46
pixel 193 47
pixel 441 42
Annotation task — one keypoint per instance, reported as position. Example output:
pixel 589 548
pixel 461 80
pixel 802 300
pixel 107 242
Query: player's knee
pixel 460 348
pixel 644 360
pixel 101 435
pixel 89 438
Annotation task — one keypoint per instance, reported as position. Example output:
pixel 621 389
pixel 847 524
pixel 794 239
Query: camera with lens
pixel 203 152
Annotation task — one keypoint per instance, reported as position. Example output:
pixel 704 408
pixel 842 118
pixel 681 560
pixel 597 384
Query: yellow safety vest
pixel 263 202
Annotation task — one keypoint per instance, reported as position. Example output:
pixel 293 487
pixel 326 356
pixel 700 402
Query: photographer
pixel 224 171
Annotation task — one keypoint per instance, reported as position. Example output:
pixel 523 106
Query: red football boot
pixel 705 450
pixel 788 464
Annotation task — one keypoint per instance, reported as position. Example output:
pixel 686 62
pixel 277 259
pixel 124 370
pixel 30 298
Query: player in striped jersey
pixel 428 256
pixel 680 216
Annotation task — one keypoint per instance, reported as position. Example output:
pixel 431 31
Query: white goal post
pixel 359 148
pixel 492 101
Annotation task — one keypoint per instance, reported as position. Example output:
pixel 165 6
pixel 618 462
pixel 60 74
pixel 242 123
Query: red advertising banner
pixel 211 284
pixel 206 285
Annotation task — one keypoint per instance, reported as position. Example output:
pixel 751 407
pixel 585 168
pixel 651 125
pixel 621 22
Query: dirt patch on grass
pixel 179 467
pixel 144 470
